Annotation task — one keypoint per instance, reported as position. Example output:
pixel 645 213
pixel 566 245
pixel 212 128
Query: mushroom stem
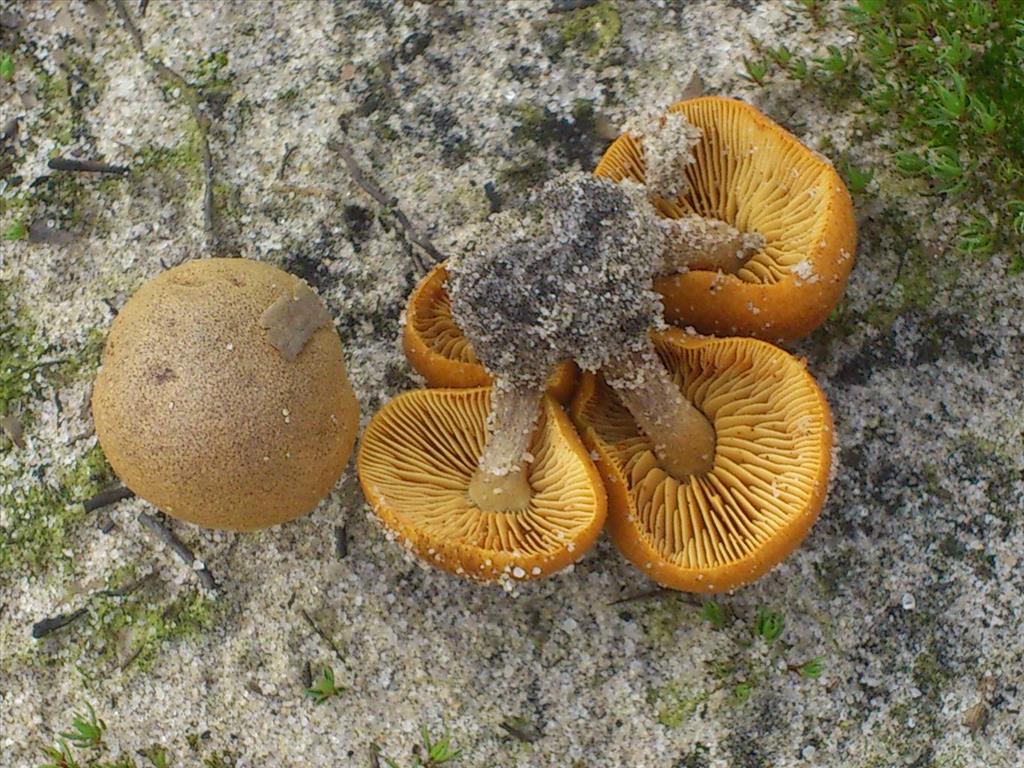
pixel 500 483
pixel 694 242
pixel 683 437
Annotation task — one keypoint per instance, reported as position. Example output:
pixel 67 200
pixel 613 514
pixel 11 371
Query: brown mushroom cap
pixel 754 175
pixel 201 416
pixel 725 528
pixel 438 350
pixel 415 462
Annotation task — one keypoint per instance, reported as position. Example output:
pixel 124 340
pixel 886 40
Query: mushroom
pixel 417 460
pixel 749 174
pixel 728 526
pixel 438 350
pixel 223 397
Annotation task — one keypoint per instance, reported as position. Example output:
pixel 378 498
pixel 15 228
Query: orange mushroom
pixel 438 350
pixel 719 529
pixel 757 178
pixel 418 458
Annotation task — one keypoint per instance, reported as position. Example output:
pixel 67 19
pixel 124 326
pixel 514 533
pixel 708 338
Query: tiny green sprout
pixel 1016 266
pixel 157 756
pixel 769 624
pixel 838 63
pixel 977 236
pixel 741 691
pixel 712 613
pixel 857 179
pixel 1016 209
pixel 814 9
pixel 812 669
pixel 6 67
pixel 86 730
pixel 59 756
pixel 324 688
pixel 754 71
pixel 17 231
pixel 430 753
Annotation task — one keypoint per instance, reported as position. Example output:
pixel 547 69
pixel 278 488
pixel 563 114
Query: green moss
pixel 593 29
pixel 211 78
pixel 185 157
pixel 41 518
pixel 674 704
pixel 662 618
pixel 21 356
pixel 141 624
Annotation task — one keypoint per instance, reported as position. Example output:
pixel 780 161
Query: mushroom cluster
pixel 712 454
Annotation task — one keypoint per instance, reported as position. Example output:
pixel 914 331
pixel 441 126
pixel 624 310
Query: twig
pixel 124 591
pixel 106 498
pixel 341 541
pixel 289 150
pixel 659 593
pixel 170 538
pixel 374 755
pixel 87 166
pixel 324 636
pixel 412 232
pixel 173 80
pixel 307 675
pixel 46 626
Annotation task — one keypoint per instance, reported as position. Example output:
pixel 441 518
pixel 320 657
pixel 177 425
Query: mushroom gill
pixel 753 175
pixel 416 462
pixel 438 350
pixel 727 527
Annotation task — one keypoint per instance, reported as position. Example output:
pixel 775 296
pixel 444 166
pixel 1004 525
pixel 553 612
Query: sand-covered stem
pixel 683 438
pixel 501 483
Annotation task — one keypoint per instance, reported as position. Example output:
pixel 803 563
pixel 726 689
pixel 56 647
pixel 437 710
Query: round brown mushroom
pixel 438 350
pixel 417 460
pixel 725 527
pixel 751 174
pixel 223 397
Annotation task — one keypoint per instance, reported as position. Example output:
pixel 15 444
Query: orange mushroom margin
pixel 727 527
pixel 417 459
pixel 756 176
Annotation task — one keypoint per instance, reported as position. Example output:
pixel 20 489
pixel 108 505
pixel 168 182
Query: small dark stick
pixel 46 626
pixel 492 197
pixel 341 541
pixel 86 166
pixel 324 636
pixel 170 538
pixel 289 150
pixel 106 498
pixel 412 232
pixel 307 675
pixel 657 593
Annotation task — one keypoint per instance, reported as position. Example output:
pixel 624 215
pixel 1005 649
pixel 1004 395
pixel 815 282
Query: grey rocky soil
pixel 909 590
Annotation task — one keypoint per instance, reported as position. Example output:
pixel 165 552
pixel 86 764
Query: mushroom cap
pixel 438 350
pixel 756 176
pixel 726 528
pixel 415 462
pixel 198 413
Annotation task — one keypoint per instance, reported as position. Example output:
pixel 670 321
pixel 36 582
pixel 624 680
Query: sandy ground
pixel 908 590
